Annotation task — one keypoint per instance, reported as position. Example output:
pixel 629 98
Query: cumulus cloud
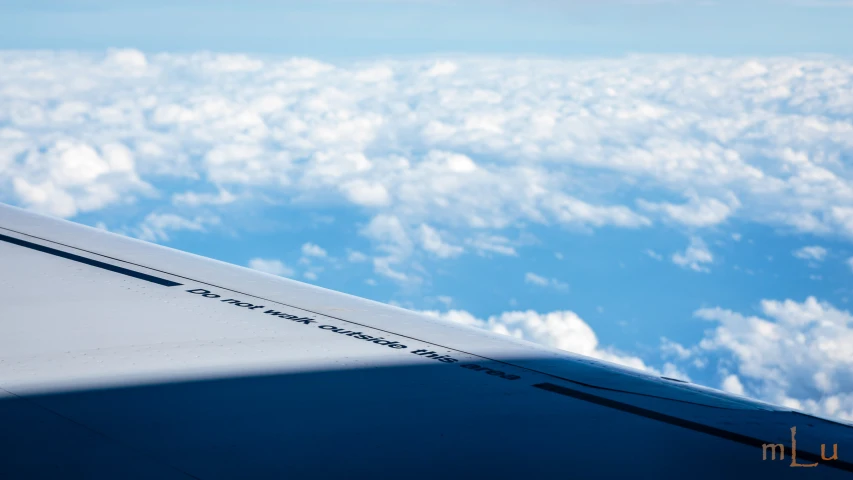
pixel 698 212
pixel 388 231
pixel 655 255
pixel 356 256
pixel 432 242
pixel 157 227
pixel 488 244
pixel 469 146
pixel 67 177
pixel 313 250
pixel 560 329
pixel 366 193
pixel 535 279
pixel 271 266
pixel 797 354
pixel 813 253
pixel 194 199
pixel 127 59
pixel 731 383
pixel 541 281
pixel 695 257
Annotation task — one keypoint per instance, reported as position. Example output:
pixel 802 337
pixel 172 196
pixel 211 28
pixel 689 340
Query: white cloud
pixel 732 384
pixel 486 244
pixel 695 257
pixel 471 146
pixel 798 354
pixel 535 279
pixel 157 226
pixel 374 74
pixel 194 199
pixel 570 210
pixel 813 253
pixel 393 240
pixel 561 329
pixel 129 59
pixel 271 266
pixel 432 242
pixel 228 63
pixel 698 212
pixel 653 254
pixel 356 256
pixel 441 68
pixel 541 281
pixel 365 193
pixel 385 266
pixel 67 177
pixel 389 231
pixel 312 250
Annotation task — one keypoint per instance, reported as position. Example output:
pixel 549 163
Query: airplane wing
pixel 123 359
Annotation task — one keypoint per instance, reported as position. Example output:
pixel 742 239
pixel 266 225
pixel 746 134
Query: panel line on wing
pixel 681 422
pixel 89 261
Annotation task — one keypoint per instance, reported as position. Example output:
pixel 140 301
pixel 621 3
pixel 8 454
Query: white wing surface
pixel 124 359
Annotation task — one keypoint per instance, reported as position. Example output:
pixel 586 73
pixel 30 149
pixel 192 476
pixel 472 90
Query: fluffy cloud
pixel 488 244
pixel 798 354
pixel 653 254
pixel 370 194
pixel 561 329
pixel 432 242
pixel 469 147
pixel 814 253
pixel 535 279
pixel 731 383
pixel 698 212
pixel 156 226
pixel 394 243
pixel 695 257
pixel 312 250
pixel 271 266
pixel 356 256
pixel 541 281
pixel 194 199
pixel 66 177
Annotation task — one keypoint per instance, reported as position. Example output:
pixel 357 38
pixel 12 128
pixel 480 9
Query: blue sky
pixel 336 28
pixel 665 185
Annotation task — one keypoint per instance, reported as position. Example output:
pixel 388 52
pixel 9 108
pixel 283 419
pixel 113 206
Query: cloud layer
pixel 449 150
